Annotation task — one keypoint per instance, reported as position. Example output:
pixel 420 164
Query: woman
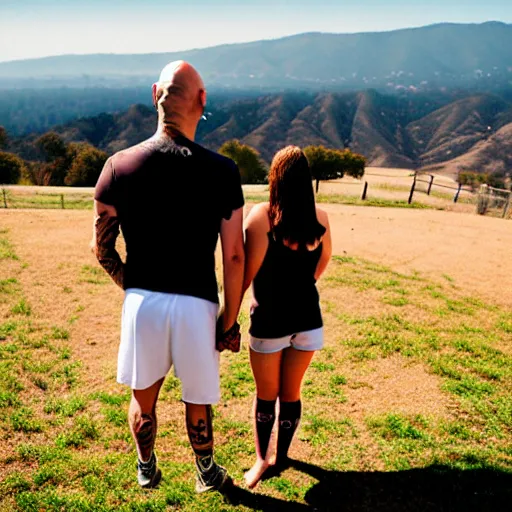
pixel 288 247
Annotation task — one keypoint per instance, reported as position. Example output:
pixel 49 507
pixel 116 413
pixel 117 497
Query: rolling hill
pixel 472 132
pixel 432 56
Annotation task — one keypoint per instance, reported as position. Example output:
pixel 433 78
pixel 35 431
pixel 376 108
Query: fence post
pixel 456 198
pixel 483 200
pixel 412 189
pixel 62 201
pixel 430 184
pixel 5 198
pixel 365 190
pixel 507 206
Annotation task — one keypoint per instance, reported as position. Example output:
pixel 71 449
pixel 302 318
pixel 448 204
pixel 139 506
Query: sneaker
pixel 148 473
pixel 210 476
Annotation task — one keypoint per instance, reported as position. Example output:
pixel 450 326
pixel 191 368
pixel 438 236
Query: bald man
pixel 171 198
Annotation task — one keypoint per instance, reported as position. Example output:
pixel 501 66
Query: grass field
pixel 408 407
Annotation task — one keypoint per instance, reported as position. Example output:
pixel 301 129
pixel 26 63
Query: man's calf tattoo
pixel 200 433
pixel 145 433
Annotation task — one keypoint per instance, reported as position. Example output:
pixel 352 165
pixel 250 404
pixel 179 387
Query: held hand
pixel 227 339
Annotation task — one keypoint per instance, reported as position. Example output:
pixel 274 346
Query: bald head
pixel 179 95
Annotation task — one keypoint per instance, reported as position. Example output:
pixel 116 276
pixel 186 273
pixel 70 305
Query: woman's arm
pixel 256 242
pixel 325 257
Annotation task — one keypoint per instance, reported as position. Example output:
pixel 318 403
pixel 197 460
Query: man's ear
pixel 153 93
pixel 202 97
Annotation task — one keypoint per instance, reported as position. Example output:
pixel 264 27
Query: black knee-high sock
pixel 289 417
pixel 265 416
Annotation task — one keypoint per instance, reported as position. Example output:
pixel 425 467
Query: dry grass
pixel 407 408
pixel 387 188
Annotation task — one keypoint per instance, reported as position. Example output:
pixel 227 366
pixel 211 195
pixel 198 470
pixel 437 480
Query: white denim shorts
pixel 160 330
pixel 307 340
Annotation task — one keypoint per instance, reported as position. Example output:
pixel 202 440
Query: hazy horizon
pixel 46 28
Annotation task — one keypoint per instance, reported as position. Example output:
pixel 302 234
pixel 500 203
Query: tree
pixel 57 158
pixel 4 140
pixel 331 164
pixel 52 146
pixel 86 166
pixel 11 168
pixel 248 160
pixel 354 163
pixel 472 179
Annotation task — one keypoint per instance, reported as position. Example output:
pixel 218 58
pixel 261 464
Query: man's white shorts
pixel 307 341
pixel 162 329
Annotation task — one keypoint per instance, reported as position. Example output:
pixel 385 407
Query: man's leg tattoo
pixel 200 434
pixel 144 431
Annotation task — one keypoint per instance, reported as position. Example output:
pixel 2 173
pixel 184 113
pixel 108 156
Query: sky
pixel 37 28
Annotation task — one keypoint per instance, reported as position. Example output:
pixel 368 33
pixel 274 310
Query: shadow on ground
pixel 433 489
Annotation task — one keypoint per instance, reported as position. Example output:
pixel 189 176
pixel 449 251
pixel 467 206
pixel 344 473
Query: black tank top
pixel 285 290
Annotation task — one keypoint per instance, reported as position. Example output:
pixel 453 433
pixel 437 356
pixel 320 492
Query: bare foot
pixel 253 476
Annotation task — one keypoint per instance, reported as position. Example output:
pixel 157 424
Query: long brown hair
pixel 292 201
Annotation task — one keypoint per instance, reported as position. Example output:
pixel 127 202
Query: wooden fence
pixel 494 201
pixel 29 198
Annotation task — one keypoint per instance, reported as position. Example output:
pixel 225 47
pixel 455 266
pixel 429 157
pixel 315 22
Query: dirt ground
pixel 467 248
pixel 382 341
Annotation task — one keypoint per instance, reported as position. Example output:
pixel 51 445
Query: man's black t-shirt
pixel 170 197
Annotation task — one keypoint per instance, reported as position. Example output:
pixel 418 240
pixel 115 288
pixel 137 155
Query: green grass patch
pixel 238 381
pixel 397 426
pixel 22 420
pixel 505 324
pixel 67 374
pixel 395 301
pixel 372 201
pixel 469 387
pixel 60 334
pixel 8 399
pixel 8 286
pixel 115 416
pixel 7 250
pixel 84 430
pixel 322 367
pixel 22 308
pixel 7 328
pixel 66 407
pixel 317 430
pixel 112 399
pixel 93 275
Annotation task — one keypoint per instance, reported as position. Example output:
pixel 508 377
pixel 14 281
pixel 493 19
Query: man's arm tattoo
pixel 106 233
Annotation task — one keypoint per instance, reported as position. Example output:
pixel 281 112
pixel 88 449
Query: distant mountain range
pixel 439 132
pixel 443 55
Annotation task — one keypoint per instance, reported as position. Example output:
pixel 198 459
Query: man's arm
pixel 103 245
pixel 233 259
